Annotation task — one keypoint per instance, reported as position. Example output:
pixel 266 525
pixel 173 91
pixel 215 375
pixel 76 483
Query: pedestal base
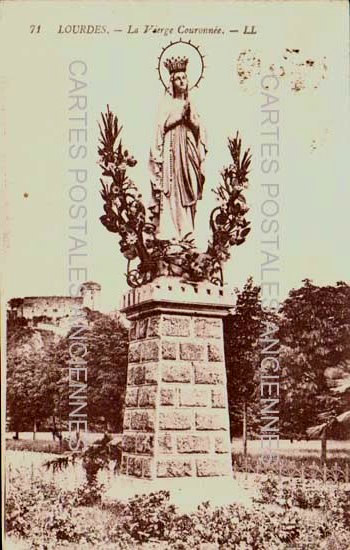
pixel 185 496
pixel 176 422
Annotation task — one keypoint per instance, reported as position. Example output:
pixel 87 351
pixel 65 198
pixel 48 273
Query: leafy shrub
pixel 307 495
pixel 45 514
pixel 146 517
pixel 338 507
pixel 89 494
pixel 151 517
pixel 235 527
pixel 48 517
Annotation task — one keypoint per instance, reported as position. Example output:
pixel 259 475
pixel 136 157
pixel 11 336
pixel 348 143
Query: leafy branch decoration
pixel 125 214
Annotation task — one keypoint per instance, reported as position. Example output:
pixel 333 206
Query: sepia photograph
pixel 175 282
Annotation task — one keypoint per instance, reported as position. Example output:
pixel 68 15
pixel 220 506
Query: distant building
pixel 55 308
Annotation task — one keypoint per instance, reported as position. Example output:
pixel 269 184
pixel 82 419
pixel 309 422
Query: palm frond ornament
pixel 125 214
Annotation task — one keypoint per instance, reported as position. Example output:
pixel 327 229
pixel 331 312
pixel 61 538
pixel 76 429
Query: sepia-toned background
pixel 312 104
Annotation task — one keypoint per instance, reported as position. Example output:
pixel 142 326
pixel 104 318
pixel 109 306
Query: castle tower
pixel 91 294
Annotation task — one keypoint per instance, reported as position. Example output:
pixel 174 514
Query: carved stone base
pixel 176 422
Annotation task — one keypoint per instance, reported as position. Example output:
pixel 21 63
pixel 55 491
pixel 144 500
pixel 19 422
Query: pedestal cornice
pixel 171 294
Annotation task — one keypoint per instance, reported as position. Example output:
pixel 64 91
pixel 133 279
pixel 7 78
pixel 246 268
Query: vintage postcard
pixel 175 274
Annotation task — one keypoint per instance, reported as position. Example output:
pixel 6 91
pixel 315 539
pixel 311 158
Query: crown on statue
pixel 176 64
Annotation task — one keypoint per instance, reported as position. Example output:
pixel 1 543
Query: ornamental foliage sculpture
pixel 125 214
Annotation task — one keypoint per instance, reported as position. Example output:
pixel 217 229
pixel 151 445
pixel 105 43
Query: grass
pixel 294 456
pixel 44 443
pixel 284 448
pixel 37 446
pixel 89 437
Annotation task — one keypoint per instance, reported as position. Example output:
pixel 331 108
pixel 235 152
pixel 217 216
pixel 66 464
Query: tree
pixel 38 386
pixel 242 331
pixel 29 396
pixel 107 360
pixel 315 333
pixel 106 342
pixel 336 425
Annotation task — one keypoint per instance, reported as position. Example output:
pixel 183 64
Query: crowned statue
pixel 162 238
pixel 176 159
pixel 174 279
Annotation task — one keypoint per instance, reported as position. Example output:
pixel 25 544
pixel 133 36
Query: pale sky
pixel 313 135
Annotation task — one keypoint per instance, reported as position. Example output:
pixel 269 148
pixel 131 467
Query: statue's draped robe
pixel 176 162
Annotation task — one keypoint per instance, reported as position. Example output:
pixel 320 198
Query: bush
pixel 31 509
pixel 235 527
pixel 147 517
pixel 307 495
pixel 46 515
pixel 89 494
pixel 49 517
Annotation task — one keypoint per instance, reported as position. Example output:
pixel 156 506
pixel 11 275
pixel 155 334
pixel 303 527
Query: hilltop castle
pixel 55 308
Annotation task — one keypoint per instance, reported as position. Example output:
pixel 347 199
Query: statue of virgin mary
pixel 176 159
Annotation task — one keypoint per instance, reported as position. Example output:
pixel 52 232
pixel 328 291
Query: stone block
pixel 147 396
pixel 208 328
pixel 129 443
pixel 142 328
pixel 134 353
pixel 150 350
pixel 222 444
pixel 153 326
pixel 169 350
pixel 215 352
pixel 124 465
pixel 209 374
pixel 147 468
pixel 136 375
pixel 193 443
pixel 131 397
pixel 174 467
pixel 132 331
pixel 190 396
pixel 176 326
pixel 145 443
pixel 165 443
pixel 218 398
pixel 175 420
pixel 135 466
pixel 142 421
pixel 176 372
pixel 211 420
pixel 151 373
pixel 167 396
pixel 210 467
pixel 127 420
pixel 191 352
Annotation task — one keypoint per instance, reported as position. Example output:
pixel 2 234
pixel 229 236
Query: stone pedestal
pixel 176 422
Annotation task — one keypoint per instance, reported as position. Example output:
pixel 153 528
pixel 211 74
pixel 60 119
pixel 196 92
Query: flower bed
pixel 49 517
